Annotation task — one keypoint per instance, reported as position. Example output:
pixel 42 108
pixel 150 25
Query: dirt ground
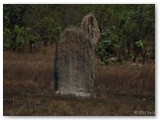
pixel 121 90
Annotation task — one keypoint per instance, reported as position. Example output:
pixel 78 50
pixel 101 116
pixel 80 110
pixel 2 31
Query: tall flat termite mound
pixel 74 60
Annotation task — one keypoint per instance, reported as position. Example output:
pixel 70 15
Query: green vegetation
pixel 126 30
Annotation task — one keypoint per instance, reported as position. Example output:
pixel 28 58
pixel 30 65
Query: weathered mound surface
pixel 74 61
pixel 90 25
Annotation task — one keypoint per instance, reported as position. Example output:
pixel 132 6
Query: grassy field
pixel 124 89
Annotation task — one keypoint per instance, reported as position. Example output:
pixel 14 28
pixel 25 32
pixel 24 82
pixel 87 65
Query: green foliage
pixel 20 39
pixel 122 27
pixel 7 38
pixel 150 52
pixel 139 44
pixel 47 29
pixel 126 25
pixel 14 14
pixel 100 50
pixel 109 45
pixel 19 35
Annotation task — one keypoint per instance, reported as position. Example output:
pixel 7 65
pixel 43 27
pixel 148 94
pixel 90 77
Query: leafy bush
pixel 108 46
pixel 7 38
pixel 20 38
pixel 14 39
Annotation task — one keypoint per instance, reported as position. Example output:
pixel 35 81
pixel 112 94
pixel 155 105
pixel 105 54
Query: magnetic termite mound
pixel 74 58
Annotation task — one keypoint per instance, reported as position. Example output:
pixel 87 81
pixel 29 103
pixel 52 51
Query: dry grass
pixel 126 79
pixel 124 89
